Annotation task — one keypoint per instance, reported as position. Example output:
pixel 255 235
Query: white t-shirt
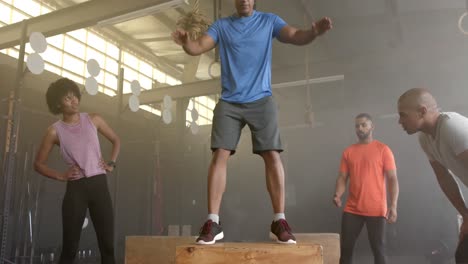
pixel 451 139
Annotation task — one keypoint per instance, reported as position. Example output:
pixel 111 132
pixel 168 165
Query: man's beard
pixel 363 136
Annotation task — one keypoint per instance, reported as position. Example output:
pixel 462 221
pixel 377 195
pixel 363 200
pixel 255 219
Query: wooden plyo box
pixel 249 253
pixel 329 241
pixel 153 249
pixel 162 249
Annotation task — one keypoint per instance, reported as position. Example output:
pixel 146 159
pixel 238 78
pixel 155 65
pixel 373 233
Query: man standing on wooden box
pixel 245 43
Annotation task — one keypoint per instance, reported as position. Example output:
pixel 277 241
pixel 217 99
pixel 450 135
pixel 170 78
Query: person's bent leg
pixel 376 234
pixel 74 208
pixel 351 226
pixel 102 215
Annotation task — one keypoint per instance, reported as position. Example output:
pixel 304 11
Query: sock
pixel 277 217
pixel 213 217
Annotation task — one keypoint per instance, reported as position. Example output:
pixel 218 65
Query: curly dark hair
pixel 59 89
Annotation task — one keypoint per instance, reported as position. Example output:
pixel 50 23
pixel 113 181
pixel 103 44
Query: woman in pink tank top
pixel 76 134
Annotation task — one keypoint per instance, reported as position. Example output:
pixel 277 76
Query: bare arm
pixel 292 35
pixel 463 157
pixel 393 189
pixel 108 133
pixel 340 187
pixel 450 187
pixel 193 47
pixel 40 163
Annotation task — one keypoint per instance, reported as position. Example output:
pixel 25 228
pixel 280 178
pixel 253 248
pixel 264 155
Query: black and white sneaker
pixel 210 233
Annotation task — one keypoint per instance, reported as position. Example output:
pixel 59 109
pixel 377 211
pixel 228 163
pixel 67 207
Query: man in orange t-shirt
pixel 369 165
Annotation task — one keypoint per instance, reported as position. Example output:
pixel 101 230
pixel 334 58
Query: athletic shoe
pixel 210 233
pixel 281 232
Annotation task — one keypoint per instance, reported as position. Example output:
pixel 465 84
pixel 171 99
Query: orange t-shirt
pixel 366 165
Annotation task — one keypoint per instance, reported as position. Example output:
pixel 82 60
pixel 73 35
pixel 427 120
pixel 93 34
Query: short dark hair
pixel 364 115
pixel 57 90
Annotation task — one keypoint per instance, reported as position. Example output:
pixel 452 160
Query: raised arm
pixel 393 189
pixel 292 35
pixel 193 47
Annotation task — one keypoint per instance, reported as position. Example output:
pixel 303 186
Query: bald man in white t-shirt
pixel 444 139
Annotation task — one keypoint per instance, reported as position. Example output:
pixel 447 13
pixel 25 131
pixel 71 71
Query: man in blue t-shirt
pixel 245 46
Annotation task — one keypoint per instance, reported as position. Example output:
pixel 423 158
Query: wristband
pixel 111 164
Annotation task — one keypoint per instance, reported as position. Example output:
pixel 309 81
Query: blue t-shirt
pixel 245 50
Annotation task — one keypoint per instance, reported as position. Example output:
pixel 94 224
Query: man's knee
pixel 271 156
pixel 220 156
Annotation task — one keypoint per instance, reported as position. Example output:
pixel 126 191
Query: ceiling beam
pixel 72 18
pixel 210 87
pixel 154 39
pixel 185 90
pixel 170 23
pixel 133 44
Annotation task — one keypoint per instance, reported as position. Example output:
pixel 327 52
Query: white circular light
pixel 214 70
pixel 136 88
pixel 35 63
pixel 38 42
pixel 460 23
pixel 134 103
pixel 93 67
pixel 194 114
pixel 167 102
pixel 194 127
pixel 167 116
pixel 91 86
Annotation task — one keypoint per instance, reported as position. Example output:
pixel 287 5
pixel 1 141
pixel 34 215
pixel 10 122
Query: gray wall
pixel 372 84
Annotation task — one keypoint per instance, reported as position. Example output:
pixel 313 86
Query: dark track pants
pixel 93 194
pixel 351 226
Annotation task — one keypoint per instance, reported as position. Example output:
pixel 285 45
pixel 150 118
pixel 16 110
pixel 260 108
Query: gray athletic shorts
pixel 261 117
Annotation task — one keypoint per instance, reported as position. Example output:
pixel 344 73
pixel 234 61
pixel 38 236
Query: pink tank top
pixel 79 145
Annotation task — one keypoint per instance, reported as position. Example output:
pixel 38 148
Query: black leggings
pixel 461 255
pixel 82 194
pixel 351 226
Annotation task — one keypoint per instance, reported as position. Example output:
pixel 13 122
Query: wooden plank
pixel 329 241
pixel 249 253
pixel 153 249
